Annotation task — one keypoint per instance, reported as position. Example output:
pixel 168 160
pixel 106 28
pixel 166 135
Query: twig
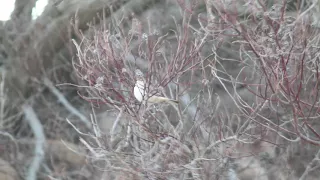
pixel 94 153
pixel 37 130
pixel 75 128
pixel 3 97
pixel 12 139
pixel 310 167
pixel 66 104
pixel 115 124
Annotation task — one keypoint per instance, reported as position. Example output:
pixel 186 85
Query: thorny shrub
pixel 276 55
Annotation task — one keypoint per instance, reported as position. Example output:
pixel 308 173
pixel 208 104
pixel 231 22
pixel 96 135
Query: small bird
pixel 140 91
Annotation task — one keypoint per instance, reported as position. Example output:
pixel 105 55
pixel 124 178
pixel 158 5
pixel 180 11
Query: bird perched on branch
pixel 140 91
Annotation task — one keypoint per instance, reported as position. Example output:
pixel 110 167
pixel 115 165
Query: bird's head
pixel 139 75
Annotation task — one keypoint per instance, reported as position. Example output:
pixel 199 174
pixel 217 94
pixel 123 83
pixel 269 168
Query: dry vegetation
pixel 245 73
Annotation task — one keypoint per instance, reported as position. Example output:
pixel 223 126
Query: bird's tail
pixel 175 101
pixel 157 99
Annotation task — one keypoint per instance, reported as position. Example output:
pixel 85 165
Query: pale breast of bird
pixel 139 90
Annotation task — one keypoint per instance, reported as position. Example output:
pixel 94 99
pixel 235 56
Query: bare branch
pixel 37 130
pixel 66 103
